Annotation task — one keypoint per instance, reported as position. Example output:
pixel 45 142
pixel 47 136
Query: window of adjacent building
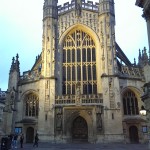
pixel 79 63
pixel 32 105
pixel 18 130
pixel 130 103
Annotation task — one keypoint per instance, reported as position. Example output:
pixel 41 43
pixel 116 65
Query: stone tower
pixel 50 16
pixel 12 96
pixel 47 86
pixel 110 80
pixel 107 36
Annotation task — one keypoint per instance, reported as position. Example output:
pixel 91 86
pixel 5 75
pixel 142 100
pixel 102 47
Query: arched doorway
pixel 79 129
pixel 133 133
pixel 30 135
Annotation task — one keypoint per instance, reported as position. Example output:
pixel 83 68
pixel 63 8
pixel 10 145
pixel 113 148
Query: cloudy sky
pixel 21 32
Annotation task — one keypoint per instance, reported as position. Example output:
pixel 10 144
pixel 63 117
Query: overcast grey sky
pixel 21 32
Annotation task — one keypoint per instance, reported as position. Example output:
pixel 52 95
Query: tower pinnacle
pixel 50 9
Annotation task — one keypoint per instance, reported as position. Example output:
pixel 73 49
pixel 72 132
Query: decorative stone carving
pixel 59 119
pixel 99 121
pixel 118 105
pixel 78 7
pixel 78 94
pixel 59 122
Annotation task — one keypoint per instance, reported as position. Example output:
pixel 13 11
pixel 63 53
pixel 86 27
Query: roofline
pixel 139 3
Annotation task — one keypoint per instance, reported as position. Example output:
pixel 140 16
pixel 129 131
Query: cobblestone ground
pixel 85 146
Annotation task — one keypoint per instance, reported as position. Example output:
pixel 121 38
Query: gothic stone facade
pixel 82 86
pixel 145 4
pixel 2 105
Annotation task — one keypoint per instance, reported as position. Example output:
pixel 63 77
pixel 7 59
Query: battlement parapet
pixel 89 5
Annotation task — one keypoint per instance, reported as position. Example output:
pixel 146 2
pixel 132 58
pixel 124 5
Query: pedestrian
pixel 15 140
pixel 21 140
pixel 11 136
pixel 36 139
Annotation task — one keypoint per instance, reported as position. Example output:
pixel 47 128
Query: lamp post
pixel 143 112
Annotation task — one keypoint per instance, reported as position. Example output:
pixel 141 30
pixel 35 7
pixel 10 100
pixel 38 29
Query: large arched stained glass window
pixel 32 105
pixel 130 103
pixel 79 63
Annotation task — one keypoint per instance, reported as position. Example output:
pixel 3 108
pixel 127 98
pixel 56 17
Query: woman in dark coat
pixel 21 140
pixel 36 139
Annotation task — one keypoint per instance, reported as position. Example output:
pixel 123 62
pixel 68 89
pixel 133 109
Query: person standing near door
pixel 21 140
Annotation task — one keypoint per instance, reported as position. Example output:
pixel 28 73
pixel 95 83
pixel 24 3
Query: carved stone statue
pixel 59 122
pixel 78 7
pixel 78 91
pixel 99 121
pixel 78 94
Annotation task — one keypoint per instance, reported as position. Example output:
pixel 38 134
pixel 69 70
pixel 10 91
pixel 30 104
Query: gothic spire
pixel 12 64
pixel 139 54
pixel 145 56
pixel 17 63
pixel 134 62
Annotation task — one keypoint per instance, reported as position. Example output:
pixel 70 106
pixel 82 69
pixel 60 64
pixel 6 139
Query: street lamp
pixel 143 111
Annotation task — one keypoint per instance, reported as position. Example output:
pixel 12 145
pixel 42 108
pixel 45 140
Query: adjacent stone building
pixel 145 4
pixel 2 106
pixel 82 86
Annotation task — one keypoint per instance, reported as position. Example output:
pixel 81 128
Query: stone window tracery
pixel 79 63
pixel 31 105
pixel 130 103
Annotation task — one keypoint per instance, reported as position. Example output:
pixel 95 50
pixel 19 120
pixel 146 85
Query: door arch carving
pixel 79 129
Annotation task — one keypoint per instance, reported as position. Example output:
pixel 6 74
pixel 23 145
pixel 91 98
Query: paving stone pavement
pixel 85 146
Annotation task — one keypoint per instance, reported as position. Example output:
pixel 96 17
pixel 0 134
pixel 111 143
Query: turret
pixel 50 15
pixel 109 65
pixel 143 59
pixel 14 69
pixel 14 73
pixel 15 65
pixel 106 6
pixel 50 9
pixel 12 95
pixel 49 46
pixel 107 36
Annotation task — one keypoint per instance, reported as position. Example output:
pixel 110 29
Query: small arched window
pixel 130 103
pixel 31 105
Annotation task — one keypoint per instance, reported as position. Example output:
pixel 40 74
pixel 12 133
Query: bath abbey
pixel 82 87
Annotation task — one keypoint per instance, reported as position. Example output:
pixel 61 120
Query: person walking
pixel 36 139
pixel 11 138
pixel 21 140
pixel 15 140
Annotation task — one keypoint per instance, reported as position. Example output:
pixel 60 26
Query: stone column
pixel 146 15
pixel 148 30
